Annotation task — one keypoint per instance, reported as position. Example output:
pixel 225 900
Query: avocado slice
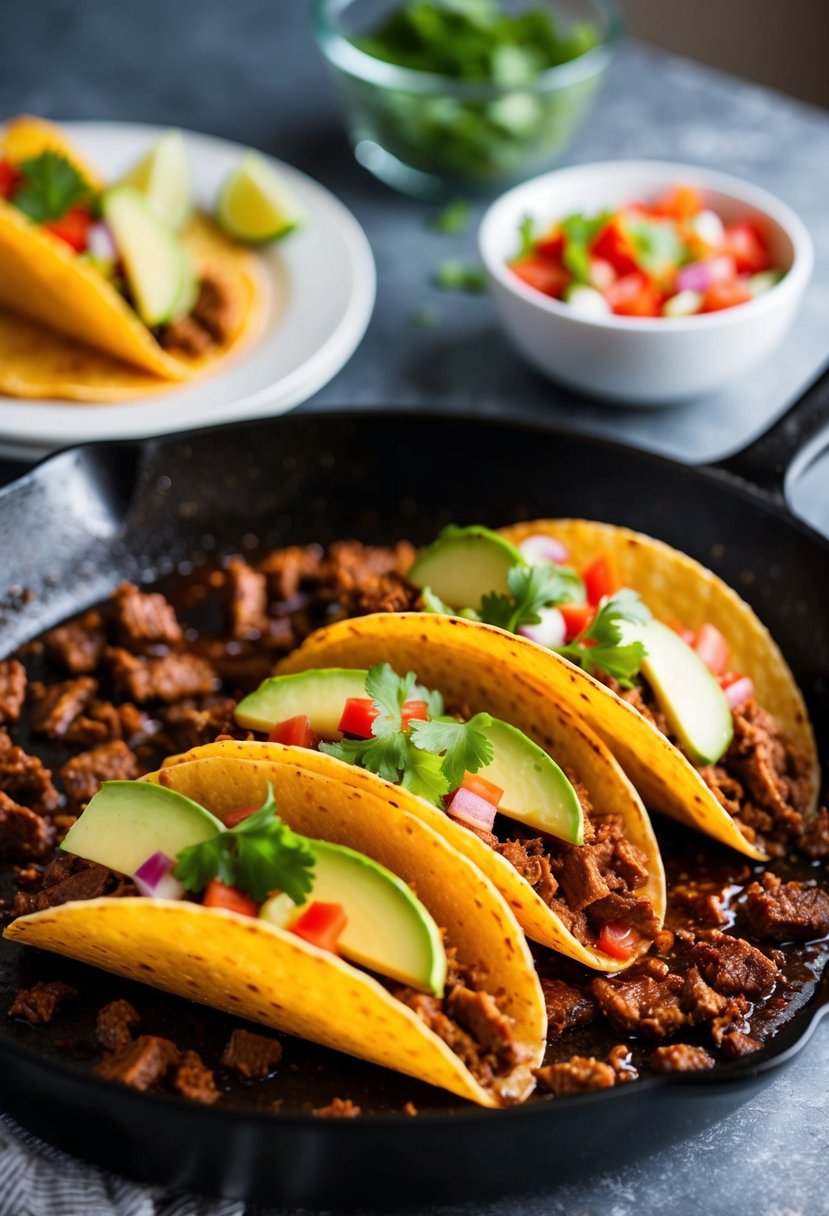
pixel 320 695
pixel 127 821
pixel 155 261
pixel 688 695
pixel 464 565
pixel 536 791
pixel 388 930
pixel 164 177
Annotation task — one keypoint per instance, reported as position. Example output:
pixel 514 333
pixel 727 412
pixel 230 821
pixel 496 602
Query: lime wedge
pixel 254 205
pixel 164 178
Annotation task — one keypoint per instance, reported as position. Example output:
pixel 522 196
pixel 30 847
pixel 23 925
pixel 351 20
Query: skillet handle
pixel 775 461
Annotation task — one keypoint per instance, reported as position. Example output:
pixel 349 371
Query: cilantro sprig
pixel 531 589
pixel 600 647
pixel 51 185
pixel 431 757
pixel 261 854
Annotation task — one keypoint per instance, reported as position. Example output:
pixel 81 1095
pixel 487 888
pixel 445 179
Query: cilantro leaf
pixel 261 854
pixel 454 219
pixel 579 232
pixel 532 588
pixel 600 647
pixel 465 746
pixel 433 698
pixel 526 236
pixel 454 275
pixel 51 186
pixel 388 692
pixel 429 602
pixel 659 248
pixel 425 777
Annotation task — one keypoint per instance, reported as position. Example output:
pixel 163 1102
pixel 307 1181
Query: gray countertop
pixel 248 70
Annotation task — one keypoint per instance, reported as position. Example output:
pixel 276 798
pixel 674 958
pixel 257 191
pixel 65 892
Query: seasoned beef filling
pixel 210 322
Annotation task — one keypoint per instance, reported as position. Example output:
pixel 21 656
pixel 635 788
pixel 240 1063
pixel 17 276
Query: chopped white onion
pixel 551 630
pixel 538 550
pixel 472 810
pixel 101 243
pixel 739 692
pixel 683 304
pixel 708 226
pixel 587 302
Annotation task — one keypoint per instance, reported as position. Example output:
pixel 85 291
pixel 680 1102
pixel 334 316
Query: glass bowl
pixel 431 135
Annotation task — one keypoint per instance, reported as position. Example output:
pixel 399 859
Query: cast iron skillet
pixel 84 519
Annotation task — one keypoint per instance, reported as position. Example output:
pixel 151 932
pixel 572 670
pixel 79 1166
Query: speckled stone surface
pixel 248 70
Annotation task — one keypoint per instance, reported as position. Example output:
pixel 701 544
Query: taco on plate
pixel 276 892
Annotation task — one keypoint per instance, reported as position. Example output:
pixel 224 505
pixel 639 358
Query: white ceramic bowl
pixel 633 360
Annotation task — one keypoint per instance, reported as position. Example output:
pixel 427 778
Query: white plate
pixel 321 284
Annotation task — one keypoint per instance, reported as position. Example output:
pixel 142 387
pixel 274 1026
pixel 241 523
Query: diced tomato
pixel 576 618
pixel 613 245
pixel 412 710
pixel 746 244
pixel 633 295
pixel 552 245
pixel 725 294
pixel 618 940
pixel 728 678
pixel 713 649
pixel 688 636
pixel 487 790
pixel 357 717
pixel 73 227
pixel 244 812
pixel 679 203
pixel 294 732
pixel 601 578
pixel 10 179
pixel 321 924
pixel 543 274
pixel 220 895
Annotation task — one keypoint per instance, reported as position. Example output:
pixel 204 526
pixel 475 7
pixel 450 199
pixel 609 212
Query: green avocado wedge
pixel 536 791
pixel 320 695
pixel 127 821
pixel 156 264
pixel 388 930
pixel 688 695
pixel 464 564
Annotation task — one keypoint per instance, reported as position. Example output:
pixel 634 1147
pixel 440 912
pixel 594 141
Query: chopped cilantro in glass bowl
pixel 442 94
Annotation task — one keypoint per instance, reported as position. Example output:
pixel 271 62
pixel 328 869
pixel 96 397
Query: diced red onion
pixel 550 631
pixel 101 243
pixel 739 692
pixel 539 549
pixel 471 809
pixel 154 878
pixel 698 276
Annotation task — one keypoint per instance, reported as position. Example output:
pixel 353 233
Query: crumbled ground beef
pixel 115 1024
pixel 778 911
pixel 12 690
pixel 578 1075
pixel 83 775
pixel 247 599
pixel 78 645
pixel 25 779
pixel 191 723
pixel 39 1004
pixel 639 1002
pixel 252 1056
pixel 733 965
pixel 24 836
pixel 680 1057
pixel 736 1043
pixel 338 1108
pixel 141 1064
pixel 290 570
pixel 56 706
pixel 144 617
pixel 194 1080
pixel 70 878
pixel 209 323
pixel 567 1006
pixel 166 678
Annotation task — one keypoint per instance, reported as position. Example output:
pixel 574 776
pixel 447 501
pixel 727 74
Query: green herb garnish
pixel 260 855
pixel 532 588
pixel 526 237
pixel 579 232
pixel 659 248
pixel 51 186
pixel 429 758
pixel 454 219
pixel 425 317
pixel 454 275
pixel 600 646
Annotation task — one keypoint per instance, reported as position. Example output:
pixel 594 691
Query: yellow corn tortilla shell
pixel 675 587
pixel 476 666
pixel 66 333
pixel 255 970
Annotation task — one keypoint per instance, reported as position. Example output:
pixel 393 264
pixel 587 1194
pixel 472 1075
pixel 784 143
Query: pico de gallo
pixel 672 257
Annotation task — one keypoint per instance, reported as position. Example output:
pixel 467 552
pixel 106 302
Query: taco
pixel 98 311
pixel 328 913
pixel 667 663
pixel 532 797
